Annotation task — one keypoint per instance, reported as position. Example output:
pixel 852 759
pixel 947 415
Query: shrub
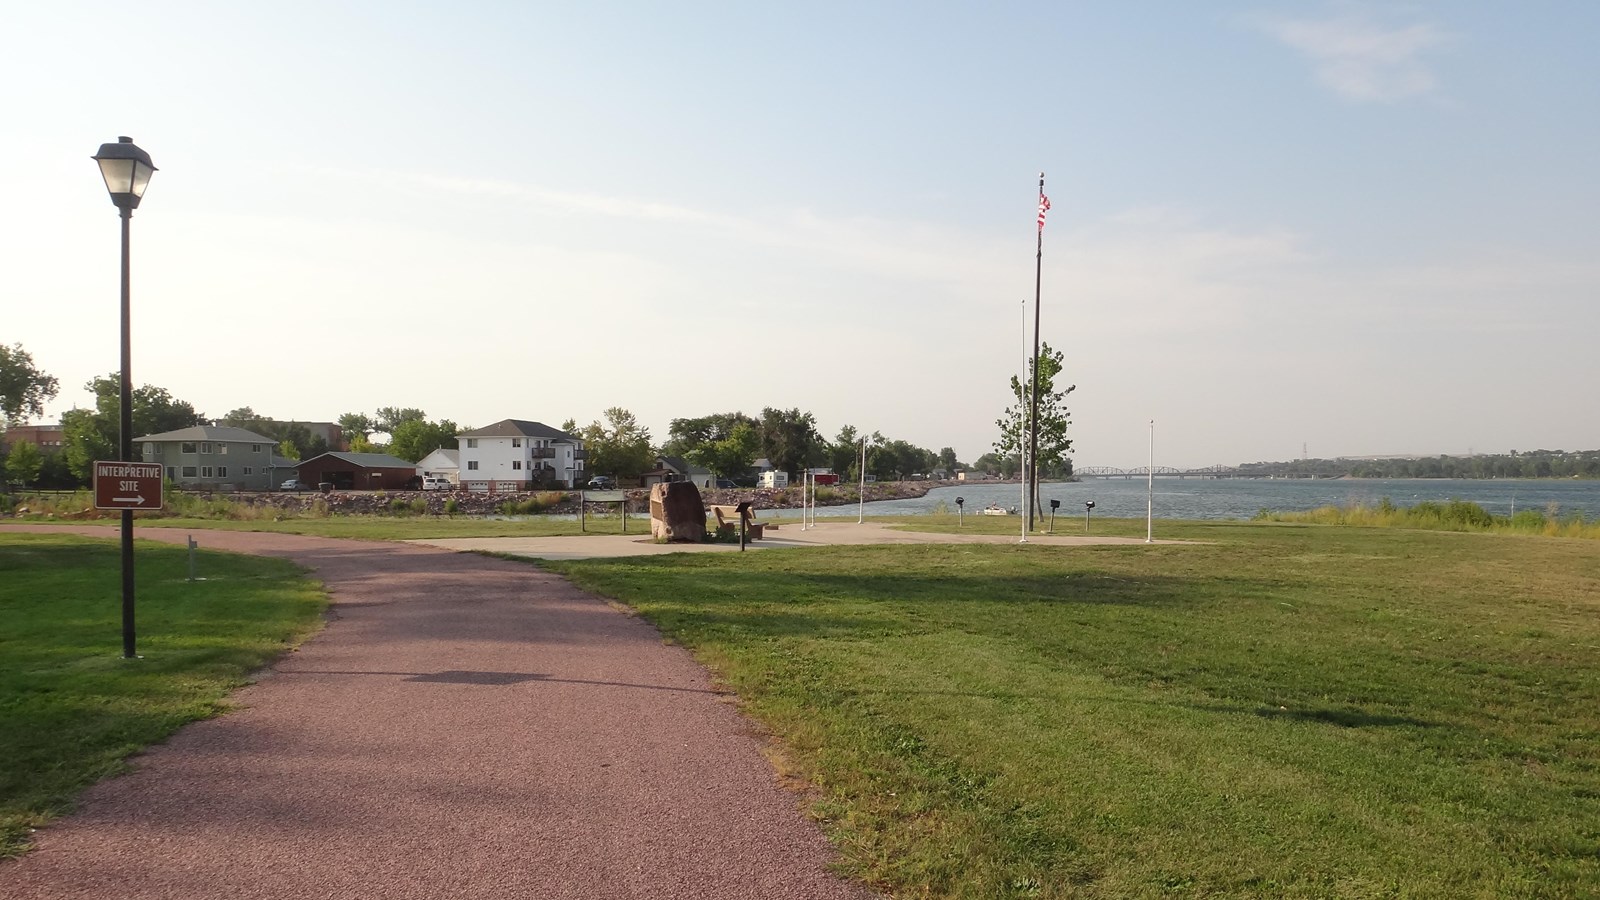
pixel 451 506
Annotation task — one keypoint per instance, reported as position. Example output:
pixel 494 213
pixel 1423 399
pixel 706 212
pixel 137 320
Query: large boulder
pixel 676 513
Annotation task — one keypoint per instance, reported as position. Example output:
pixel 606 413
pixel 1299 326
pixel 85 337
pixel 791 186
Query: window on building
pixel 222 448
pixel 205 471
pixel 188 471
pixel 222 471
pixel 472 465
pixel 516 464
pixel 186 447
pixel 255 448
pixel 516 442
pixel 248 470
pixel 472 444
pixel 172 473
pixel 205 448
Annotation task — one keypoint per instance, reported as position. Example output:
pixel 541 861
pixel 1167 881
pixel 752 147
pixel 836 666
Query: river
pixel 1241 498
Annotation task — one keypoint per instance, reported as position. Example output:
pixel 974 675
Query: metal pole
pixel 861 495
pixel 126 450
pixel 1150 489
pixel 1033 427
pixel 1022 425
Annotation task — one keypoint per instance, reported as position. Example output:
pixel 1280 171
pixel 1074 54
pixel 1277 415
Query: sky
pixel 1276 229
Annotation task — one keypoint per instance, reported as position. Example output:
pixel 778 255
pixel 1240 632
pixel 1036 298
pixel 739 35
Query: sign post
pixel 127 486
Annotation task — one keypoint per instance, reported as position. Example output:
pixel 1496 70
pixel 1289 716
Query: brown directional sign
pixel 127 485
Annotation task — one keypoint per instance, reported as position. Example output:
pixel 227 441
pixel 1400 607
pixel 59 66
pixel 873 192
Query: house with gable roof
pixel 518 455
pixel 213 457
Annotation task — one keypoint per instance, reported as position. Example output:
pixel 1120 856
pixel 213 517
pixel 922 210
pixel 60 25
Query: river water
pixel 1241 498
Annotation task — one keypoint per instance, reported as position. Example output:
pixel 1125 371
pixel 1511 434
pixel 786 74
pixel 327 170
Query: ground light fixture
pixel 960 520
pixel 1088 507
pixel 1054 505
pixel 126 170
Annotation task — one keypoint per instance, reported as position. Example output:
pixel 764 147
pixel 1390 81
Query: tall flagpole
pixel 1022 425
pixel 1033 418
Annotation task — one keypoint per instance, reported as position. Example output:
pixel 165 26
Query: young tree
pixel 288 450
pixel 23 387
pixel 1054 445
pixel 24 462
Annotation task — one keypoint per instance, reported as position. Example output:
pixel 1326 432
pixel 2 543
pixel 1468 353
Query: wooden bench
pixel 728 520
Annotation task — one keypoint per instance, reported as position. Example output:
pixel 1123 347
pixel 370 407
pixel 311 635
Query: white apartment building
pixel 516 455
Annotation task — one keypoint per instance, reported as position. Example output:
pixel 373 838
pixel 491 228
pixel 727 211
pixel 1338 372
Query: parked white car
pixel 292 484
pixel 437 483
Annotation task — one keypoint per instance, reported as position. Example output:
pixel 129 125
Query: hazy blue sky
pixel 1364 228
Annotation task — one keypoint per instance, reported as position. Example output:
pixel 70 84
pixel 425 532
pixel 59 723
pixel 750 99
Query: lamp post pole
pixel 126 170
pixel 125 452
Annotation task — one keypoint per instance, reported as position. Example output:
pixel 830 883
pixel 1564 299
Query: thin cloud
pixel 1361 60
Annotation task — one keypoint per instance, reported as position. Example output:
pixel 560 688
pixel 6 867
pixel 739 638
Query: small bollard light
pixel 1088 506
pixel 1054 505
pixel 960 520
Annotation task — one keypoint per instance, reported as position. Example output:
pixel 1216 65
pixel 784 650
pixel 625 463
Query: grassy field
pixel 1282 710
pixel 71 709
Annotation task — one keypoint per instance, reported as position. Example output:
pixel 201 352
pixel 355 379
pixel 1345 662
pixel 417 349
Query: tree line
pixel 727 443
pixel 1527 464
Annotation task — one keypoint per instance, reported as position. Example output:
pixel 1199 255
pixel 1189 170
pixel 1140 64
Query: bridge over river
pixel 1288 471
pixel 1162 472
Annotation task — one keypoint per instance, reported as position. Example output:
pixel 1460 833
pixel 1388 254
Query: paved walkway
pixel 464 727
pixel 790 535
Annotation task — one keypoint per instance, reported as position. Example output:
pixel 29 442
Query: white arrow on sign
pixel 139 500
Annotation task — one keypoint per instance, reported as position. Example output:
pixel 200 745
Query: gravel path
pixel 464 727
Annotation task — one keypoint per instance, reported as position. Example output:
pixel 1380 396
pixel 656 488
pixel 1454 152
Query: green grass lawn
pixel 71 708
pixel 1295 711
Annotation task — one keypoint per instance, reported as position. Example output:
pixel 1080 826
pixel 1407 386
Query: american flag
pixel 1044 206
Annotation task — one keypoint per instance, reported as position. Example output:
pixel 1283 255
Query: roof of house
pixel 453 456
pixel 519 428
pixel 366 460
pixel 679 464
pixel 219 433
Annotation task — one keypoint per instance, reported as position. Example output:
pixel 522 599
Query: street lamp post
pixel 126 170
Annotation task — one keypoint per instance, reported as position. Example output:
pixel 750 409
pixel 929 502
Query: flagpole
pixel 1022 425
pixel 1033 419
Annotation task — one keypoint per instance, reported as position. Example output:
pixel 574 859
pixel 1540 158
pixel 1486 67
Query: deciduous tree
pixel 413 439
pixel 88 435
pixel 789 439
pixel 1054 419
pixel 23 463
pixel 620 447
pixel 24 389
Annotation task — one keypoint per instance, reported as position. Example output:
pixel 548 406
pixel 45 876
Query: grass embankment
pixel 1284 711
pixel 71 709
pixel 1456 515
